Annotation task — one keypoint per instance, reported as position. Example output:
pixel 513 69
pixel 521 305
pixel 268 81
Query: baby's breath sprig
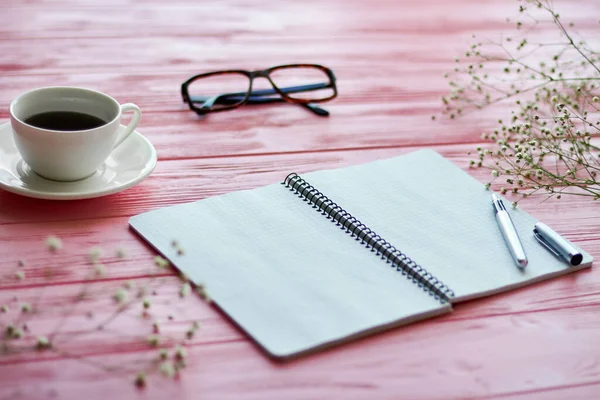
pixel 548 144
pixel 15 332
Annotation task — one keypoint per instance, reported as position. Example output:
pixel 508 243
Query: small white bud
pixel 161 262
pixel 146 303
pixel 167 369
pixel 120 296
pixel 43 342
pixel 95 254
pixel 121 253
pixel 140 379
pixel 53 243
pixel 154 340
pixel 99 270
pixel 163 354
pixel 180 353
pixel 185 290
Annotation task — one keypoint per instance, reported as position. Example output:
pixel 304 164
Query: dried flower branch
pixel 547 145
pixel 56 339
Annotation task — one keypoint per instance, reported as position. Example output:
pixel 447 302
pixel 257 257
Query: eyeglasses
pixel 301 84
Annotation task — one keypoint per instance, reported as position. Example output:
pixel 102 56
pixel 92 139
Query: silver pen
pixel 509 232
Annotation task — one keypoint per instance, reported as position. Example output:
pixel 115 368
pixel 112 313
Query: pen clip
pixel 545 243
pixel 557 244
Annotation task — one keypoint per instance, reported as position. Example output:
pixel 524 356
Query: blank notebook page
pixel 283 272
pixel 443 219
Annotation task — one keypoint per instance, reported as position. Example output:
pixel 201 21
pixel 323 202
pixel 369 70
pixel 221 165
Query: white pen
pixel 509 233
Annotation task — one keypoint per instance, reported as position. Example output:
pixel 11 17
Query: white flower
pixel 201 291
pixel 180 353
pixel 154 340
pixel 121 253
pixel 163 354
pixel 53 243
pixel 146 303
pixel 43 342
pixel 166 368
pixel 495 173
pixel 120 296
pixel 161 262
pixel 95 254
pixel 185 290
pixel 140 379
pixel 100 270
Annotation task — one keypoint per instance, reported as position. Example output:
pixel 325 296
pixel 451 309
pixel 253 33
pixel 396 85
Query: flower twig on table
pixel 548 145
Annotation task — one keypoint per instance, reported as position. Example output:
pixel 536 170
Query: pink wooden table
pixel 389 56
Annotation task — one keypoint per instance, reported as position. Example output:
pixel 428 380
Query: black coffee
pixel 65 121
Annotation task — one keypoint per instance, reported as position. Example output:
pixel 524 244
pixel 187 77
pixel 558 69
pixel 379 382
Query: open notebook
pixel 406 238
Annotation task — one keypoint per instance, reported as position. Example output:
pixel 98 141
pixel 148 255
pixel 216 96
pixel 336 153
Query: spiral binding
pixel 368 238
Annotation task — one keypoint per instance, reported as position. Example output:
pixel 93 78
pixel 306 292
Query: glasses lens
pixel 303 83
pixel 219 90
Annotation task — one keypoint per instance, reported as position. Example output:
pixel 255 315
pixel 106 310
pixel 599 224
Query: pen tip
pixel 522 263
pixel 495 197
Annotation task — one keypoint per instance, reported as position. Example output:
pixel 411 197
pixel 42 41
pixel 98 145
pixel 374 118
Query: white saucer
pixel 129 164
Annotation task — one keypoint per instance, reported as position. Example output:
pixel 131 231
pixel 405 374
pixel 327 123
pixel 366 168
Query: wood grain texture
pixel 389 58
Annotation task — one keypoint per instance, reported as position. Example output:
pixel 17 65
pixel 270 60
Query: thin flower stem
pixel 570 39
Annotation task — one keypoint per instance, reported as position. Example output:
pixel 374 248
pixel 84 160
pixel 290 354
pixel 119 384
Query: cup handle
pixel 135 120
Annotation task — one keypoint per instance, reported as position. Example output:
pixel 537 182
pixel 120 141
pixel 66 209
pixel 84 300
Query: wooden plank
pixel 475 365
pixel 178 181
pixel 72 266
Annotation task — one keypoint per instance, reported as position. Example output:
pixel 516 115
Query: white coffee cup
pixel 68 155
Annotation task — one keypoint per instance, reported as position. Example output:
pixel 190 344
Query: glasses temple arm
pixel 315 109
pixel 257 93
pixel 290 89
pixel 256 97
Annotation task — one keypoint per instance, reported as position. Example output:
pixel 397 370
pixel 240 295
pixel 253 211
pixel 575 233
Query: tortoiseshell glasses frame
pixel 202 105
